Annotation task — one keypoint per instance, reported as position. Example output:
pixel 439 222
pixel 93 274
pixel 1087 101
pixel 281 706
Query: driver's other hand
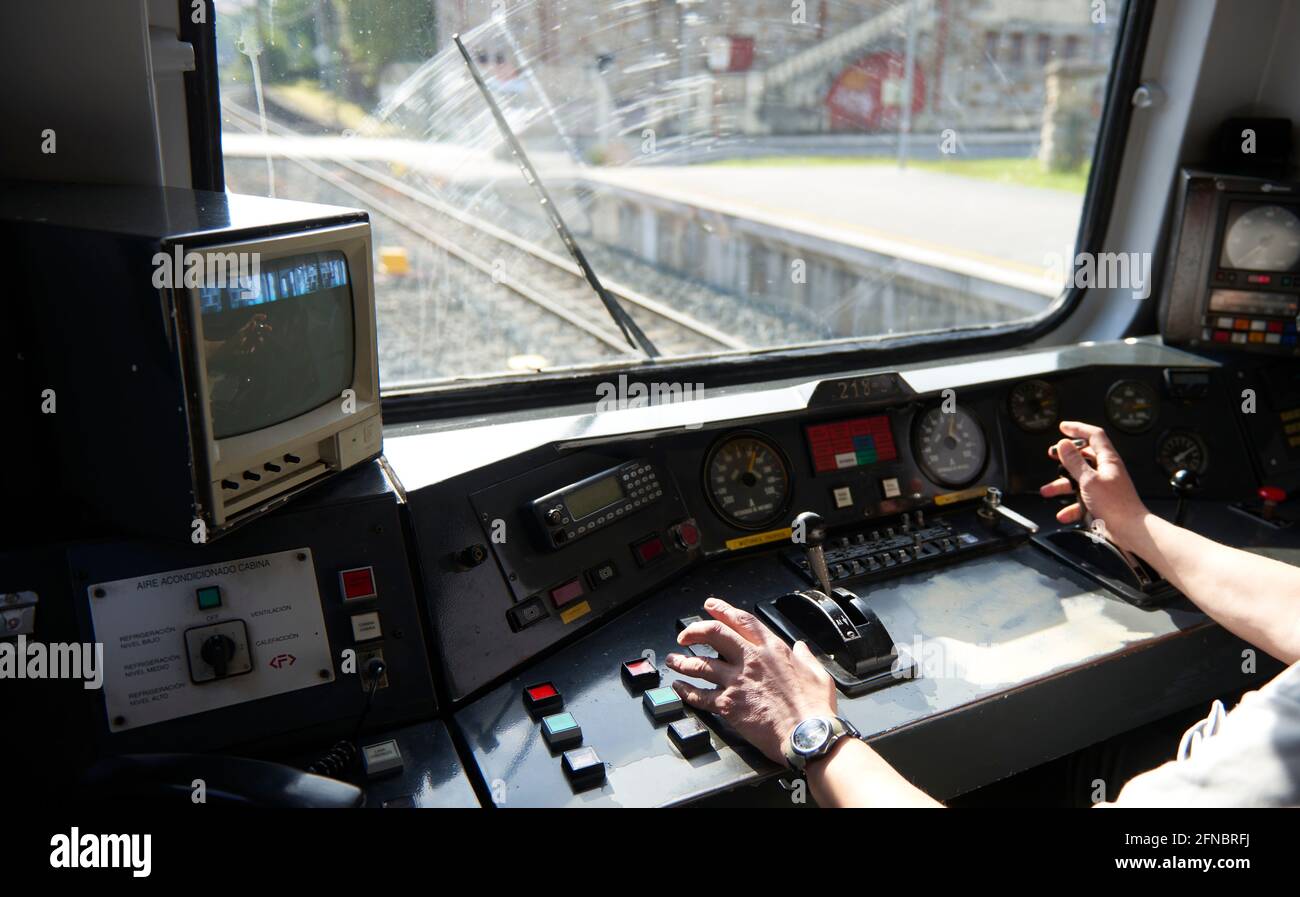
pixel 1105 489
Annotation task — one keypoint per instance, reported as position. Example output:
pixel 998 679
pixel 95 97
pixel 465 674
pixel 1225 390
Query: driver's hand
pixel 1106 489
pixel 764 689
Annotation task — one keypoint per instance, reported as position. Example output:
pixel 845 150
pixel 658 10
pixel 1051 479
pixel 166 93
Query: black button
pixel 602 575
pixel 583 767
pixel 690 736
pixel 526 613
pixel 683 622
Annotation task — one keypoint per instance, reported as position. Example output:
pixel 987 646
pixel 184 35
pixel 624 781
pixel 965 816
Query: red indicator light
pixel 649 549
pixel 563 594
pixel 1259 278
pixel 542 692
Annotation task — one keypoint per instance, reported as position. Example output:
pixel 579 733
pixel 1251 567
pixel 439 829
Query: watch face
pixel 810 734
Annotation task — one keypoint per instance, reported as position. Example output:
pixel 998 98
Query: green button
pixel 560 722
pixel 209 597
pixel 661 696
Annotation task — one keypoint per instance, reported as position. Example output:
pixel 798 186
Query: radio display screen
pixel 846 444
pixel 593 497
pixel 1253 302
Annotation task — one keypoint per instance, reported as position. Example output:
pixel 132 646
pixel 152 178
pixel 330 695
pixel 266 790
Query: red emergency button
pixel 687 534
pixel 357 584
pixel 1271 493
pixel 543 698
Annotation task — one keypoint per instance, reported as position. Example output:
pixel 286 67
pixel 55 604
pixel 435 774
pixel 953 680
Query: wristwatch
pixel 814 737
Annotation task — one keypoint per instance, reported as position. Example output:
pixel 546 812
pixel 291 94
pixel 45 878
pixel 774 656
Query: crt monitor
pixel 206 355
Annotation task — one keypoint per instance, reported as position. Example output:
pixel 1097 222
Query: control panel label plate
pixel 142 622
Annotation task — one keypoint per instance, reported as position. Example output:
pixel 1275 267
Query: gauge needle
pixel 952 426
pixel 753 456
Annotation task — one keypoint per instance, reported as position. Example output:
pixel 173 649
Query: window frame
pixel 507 393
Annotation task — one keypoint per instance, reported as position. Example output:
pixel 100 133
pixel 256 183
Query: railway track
pixel 550 283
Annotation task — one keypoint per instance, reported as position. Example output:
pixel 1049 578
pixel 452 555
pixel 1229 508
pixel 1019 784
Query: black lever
pixel 1184 482
pixel 1085 518
pixel 813 529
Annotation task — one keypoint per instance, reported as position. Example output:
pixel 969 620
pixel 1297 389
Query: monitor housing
pixel 124 351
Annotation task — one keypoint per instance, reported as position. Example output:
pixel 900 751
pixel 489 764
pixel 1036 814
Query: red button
pixel 563 594
pixel 543 698
pixel 1274 326
pixel 540 692
pixel 640 668
pixel 1222 336
pixel 358 583
pixel 688 535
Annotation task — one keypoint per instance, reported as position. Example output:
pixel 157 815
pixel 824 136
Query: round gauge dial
pixel 748 481
pixel 1182 450
pixel 950 447
pixel 1034 406
pixel 1131 405
pixel 1264 238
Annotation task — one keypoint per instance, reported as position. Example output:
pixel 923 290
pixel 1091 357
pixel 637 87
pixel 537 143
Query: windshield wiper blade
pixel 631 331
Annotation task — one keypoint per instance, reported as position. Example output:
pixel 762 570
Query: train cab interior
pixel 389 383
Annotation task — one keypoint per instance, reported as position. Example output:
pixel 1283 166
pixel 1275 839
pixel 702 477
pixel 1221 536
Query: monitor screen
pixel 845 444
pixel 279 343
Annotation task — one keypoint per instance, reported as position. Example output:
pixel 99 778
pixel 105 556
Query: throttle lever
pixel 1085 517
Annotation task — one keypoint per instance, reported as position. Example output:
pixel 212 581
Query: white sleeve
pixel 1252 760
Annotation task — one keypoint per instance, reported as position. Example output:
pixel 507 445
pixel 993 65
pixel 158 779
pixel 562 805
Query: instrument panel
pixel 727 489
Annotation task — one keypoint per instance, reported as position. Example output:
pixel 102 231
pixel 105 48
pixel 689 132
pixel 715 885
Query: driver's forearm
pixel 854 775
pixel 1256 598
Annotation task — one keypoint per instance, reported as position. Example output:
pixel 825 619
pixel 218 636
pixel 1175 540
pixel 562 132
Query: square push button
pixel 209 597
pixel 357 584
pixel 690 736
pixel 365 627
pixel 383 758
pixel 583 767
pixel 640 674
pixel 662 703
pixel 601 575
pixel 561 731
pixel 543 698
pixel 889 488
pixel 843 497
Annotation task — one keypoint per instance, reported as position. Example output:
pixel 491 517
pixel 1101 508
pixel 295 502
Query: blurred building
pixel 773 67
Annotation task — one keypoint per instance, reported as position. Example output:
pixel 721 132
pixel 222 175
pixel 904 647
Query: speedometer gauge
pixel 1263 238
pixel 1034 405
pixel 949 446
pixel 747 480
pixel 1131 405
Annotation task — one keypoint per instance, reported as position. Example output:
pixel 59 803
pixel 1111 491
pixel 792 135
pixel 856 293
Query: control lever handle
pixel 1085 517
pixel 1184 483
pixel 810 525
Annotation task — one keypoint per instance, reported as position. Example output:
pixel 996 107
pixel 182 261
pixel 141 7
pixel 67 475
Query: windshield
pixel 740 175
